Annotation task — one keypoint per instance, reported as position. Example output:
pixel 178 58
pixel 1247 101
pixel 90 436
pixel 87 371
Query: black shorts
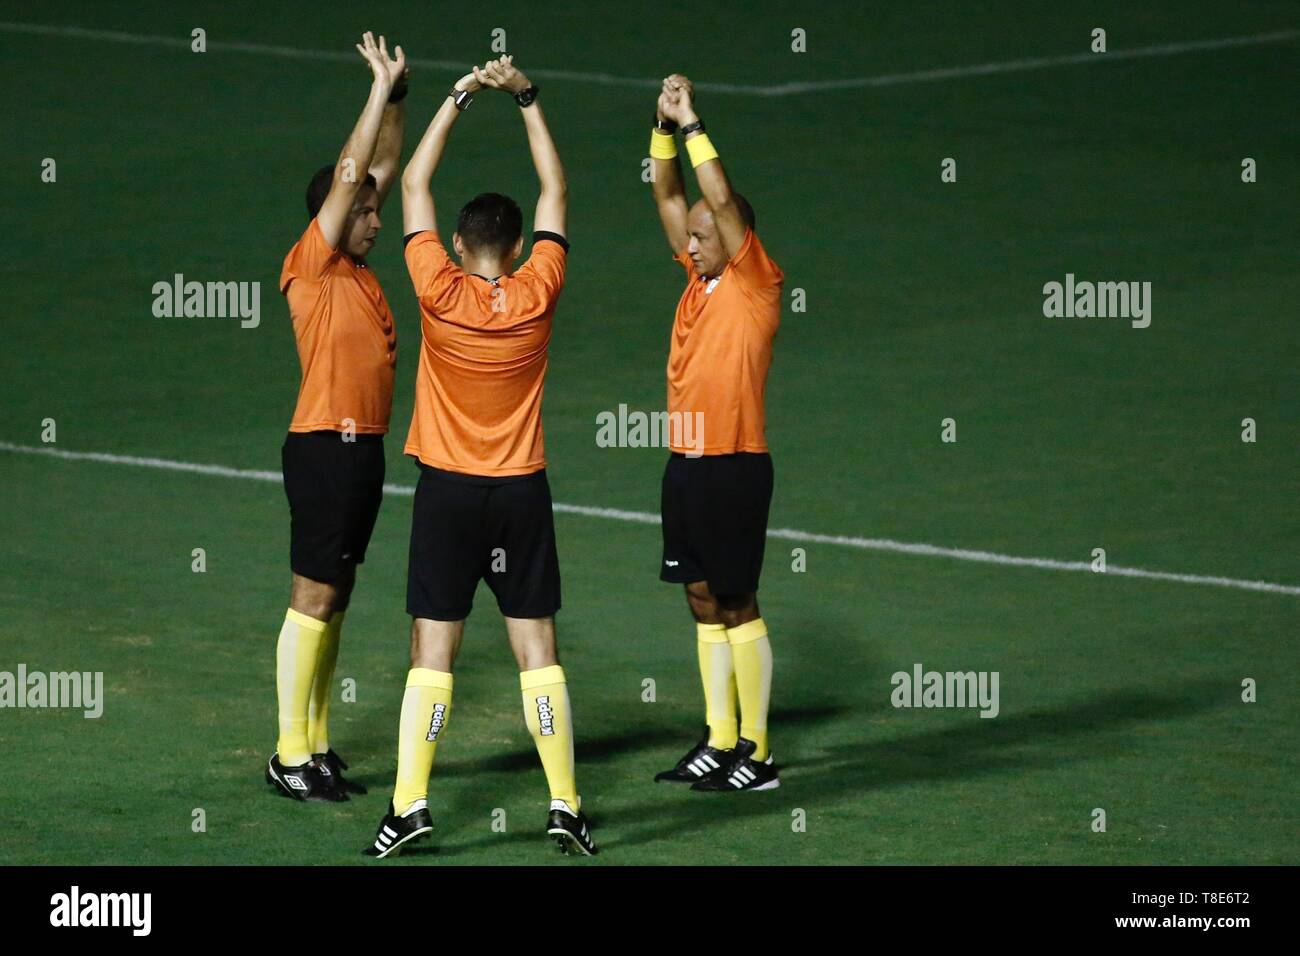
pixel 466 528
pixel 334 489
pixel 714 512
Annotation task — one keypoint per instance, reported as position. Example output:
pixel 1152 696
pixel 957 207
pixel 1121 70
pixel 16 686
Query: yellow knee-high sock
pixel 751 653
pixel 295 666
pixel 322 685
pixel 546 711
pixel 426 705
pixel 719 679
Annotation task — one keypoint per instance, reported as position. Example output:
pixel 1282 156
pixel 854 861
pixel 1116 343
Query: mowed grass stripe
pixel 744 89
pixel 645 517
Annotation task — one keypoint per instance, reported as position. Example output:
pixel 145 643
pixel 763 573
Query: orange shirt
pixel 478 394
pixel 346 343
pixel 722 348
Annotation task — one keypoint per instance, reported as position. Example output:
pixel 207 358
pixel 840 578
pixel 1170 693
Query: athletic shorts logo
pixel 435 725
pixel 672 564
pixel 545 716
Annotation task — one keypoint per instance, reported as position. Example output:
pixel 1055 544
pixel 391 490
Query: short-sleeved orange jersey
pixel 346 342
pixel 722 348
pixel 478 393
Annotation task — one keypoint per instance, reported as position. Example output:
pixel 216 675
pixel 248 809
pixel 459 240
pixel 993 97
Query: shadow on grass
pixel 1006 745
pixel 614 745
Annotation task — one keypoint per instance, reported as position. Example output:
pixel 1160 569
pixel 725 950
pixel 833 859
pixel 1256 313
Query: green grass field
pixel 924 302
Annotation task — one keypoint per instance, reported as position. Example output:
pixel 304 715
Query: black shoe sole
pixel 762 788
pixel 392 850
pixel 568 843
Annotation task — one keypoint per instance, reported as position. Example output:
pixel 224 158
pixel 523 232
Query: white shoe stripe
pixel 391 833
pixel 710 761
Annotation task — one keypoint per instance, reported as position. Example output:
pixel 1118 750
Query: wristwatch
pixel 692 127
pixel 665 125
pixel 462 98
pixel 525 97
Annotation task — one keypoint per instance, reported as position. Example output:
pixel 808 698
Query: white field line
pixel 645 517
pixel 606 79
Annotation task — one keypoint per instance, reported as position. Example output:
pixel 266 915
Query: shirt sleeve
pixel 433 274
pixel 310 256
pixel 755 268
pixel 545 268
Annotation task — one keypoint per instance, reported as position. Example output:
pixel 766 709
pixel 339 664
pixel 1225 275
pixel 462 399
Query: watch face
pixel 524 97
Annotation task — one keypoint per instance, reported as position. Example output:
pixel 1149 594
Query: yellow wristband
pixel 701 149
pixel 662 145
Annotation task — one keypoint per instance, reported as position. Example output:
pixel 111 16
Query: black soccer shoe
pixel 569 830
pixel 394 831
pixel 743 772
pixel 698 763
pixel 304 782
pixel 334 765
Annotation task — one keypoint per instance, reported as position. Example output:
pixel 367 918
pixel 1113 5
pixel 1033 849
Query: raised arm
pixel 716 188
pixel 388 151
pixel 669 190
pixel 417 200
pixel 359 151
pixel 553 200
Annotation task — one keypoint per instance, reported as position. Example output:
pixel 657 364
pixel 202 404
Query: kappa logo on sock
pixel 436 724
pixel 545 715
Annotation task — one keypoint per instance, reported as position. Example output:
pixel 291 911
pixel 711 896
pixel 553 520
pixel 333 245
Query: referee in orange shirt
pixel 483 505
pixel 715 499
pixel 333 457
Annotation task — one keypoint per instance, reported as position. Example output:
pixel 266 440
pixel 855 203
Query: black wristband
pixel 399 92
pixel 692 127
pixel 665 125
pixel 526 97
pixel 462 98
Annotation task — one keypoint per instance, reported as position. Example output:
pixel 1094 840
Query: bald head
pixel 705 246
pixel 746 210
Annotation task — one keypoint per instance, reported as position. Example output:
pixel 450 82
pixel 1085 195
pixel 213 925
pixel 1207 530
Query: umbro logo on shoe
pixel 295 782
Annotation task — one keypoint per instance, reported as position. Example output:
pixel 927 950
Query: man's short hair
pixel 490 221
pixel 320 185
